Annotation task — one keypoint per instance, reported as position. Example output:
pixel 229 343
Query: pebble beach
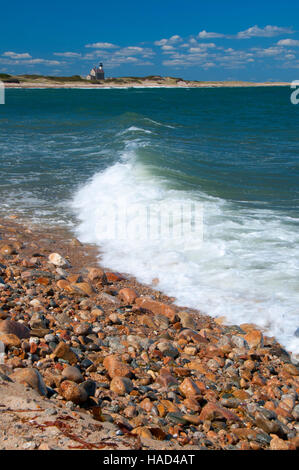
pixel 92 359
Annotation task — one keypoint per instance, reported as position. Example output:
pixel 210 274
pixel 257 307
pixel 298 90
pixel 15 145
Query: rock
pixel 110 299
pixel 127 295
pixel 254 339
pixel 83 288
pixel 156 307
pixel 165 378
pixel 267 425
pixel 30 376
pixel 96 274
pixel 191 335
pixel 187 320
pixel 15 328
pixel 6 249
pixel 121 385
pixel 82 329
pixel 212 411
pixel 116 368
pixel 113 277
pixel 71 391
pixel 278 444
pixel 38 321
pixel 168 349
pixel 295 413
pixel 10 340
pixel 239 342
pixel 189 389
pixel 63 351
pixel 72 373
pixel 289 368
pixel 58 260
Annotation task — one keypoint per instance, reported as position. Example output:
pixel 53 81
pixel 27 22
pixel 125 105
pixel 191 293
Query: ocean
pixel 74 157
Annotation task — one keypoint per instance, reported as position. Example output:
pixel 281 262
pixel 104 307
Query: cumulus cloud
pixel 67 54
pixel 102 45
pixel 15 55
pixel 205 35
pixel 288 42
pixel 170 41
pixel 267 31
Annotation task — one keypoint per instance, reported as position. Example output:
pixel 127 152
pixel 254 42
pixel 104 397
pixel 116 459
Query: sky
pixel 193 40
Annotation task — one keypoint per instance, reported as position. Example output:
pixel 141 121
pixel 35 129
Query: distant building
pixel 97 73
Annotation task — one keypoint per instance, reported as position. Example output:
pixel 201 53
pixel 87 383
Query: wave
pixel 243 268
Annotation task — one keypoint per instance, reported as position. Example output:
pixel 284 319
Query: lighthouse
pixel 97 73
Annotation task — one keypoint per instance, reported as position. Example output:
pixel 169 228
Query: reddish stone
pixel 189 388
pixel 165 378
pixel 116 368
pixel 254 338
pixel 113 277
pixel 121 385
pixel 212 411
pixel 127 295
pixel 159 308
pixel 15 328
pixel 10 340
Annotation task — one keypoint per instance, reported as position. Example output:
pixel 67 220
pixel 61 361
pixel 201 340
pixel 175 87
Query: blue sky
pixel 201 40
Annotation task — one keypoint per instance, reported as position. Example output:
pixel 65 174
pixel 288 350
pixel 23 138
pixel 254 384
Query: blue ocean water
pixel 69 156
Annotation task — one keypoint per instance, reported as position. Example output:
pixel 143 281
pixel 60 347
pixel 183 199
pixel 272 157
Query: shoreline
pixel 168 376
pixel 184 84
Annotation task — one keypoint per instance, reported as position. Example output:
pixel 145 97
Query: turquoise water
pixel 234 151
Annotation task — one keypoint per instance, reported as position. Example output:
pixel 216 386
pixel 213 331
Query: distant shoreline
pixel 127 82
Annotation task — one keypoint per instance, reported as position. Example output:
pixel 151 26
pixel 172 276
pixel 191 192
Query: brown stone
pixel 279 444
pixel 72 373
pixel 189 388
pixel 127 295
pixel 121 385
pixel 156 307
pixel 83 288
pixel 16 328
pixel 255 339
pixel 187 320
pixel 73 392
pixel 116 368
pixel 31 377
pixel 63 351
pixel 113 277
pixel 212 411
pixel 146 404
pixel 10 340
pixel 165 378
pixel 6 249
pixel 96 274
pixel 291 369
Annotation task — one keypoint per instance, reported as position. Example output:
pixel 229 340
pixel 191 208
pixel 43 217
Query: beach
pixel 125 82
pixel 93 357
pixel 123 323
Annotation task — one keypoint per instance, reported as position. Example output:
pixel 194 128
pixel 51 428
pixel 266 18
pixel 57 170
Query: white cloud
pixel 170 41
pixel 288 42
pixel 15 55
pixel 267 31
pixel 67 54
pixel 102 45
pixel 267 52
pixel 205 35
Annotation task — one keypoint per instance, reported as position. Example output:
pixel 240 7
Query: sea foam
pixel 244 268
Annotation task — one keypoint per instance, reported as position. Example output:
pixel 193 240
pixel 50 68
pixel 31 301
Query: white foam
pixel 245 270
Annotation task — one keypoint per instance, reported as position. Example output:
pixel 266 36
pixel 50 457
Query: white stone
pixel 58 260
